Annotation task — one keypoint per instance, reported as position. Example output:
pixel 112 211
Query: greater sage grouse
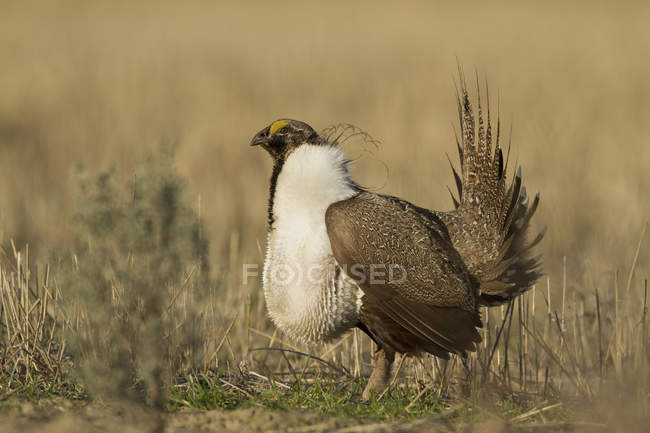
pixel 340 257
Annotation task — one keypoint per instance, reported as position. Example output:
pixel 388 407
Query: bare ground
pixel 66 417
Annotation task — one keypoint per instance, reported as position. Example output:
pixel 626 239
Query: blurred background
pixel 98 82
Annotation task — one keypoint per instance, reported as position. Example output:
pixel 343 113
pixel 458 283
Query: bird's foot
pixel 380 376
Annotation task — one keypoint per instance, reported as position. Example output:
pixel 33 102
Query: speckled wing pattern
pixel 429 303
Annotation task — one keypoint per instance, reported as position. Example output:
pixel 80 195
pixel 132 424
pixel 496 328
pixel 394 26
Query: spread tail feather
pixel 491 221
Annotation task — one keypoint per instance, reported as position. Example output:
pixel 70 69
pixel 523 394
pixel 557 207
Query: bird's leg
pixel 380 376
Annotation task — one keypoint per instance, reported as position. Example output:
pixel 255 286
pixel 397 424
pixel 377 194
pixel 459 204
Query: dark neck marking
pixel 277 167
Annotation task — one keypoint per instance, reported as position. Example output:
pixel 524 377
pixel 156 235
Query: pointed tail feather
pixel 490 223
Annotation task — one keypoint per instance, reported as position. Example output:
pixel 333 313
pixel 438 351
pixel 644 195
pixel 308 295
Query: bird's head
pixel 284 135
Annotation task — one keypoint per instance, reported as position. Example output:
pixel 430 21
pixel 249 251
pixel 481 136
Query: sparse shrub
pixel 133 286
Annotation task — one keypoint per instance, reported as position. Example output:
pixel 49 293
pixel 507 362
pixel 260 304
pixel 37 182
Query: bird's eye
pixel 282 130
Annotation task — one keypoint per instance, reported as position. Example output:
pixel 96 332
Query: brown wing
pixel 418 295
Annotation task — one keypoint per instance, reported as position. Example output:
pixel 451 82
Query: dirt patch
pixel 62 417
pixel 96 417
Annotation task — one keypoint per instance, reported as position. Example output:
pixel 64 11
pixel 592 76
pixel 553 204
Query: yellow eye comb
pixel 277 125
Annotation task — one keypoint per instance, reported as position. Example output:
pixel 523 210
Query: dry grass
pixel 31 349
pixel 98 83
pixel 537 366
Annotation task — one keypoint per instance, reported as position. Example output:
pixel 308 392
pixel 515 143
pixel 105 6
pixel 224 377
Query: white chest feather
pixel 307 297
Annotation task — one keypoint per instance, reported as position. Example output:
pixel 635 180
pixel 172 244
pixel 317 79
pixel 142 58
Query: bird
pixel 339 256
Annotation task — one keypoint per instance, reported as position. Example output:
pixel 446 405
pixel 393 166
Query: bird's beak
pixel 260 137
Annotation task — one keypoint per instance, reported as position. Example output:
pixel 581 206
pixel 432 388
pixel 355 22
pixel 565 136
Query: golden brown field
pixel 99 82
